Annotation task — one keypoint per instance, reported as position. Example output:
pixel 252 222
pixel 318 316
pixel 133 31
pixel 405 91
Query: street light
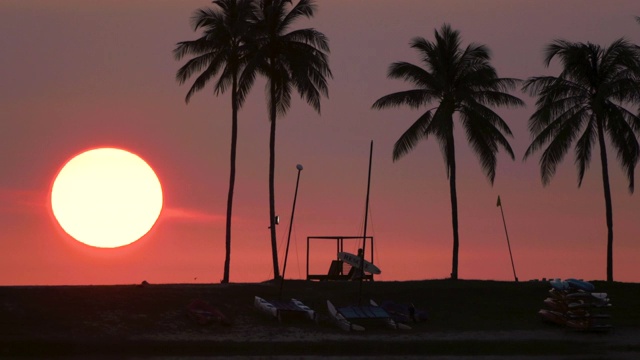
pixel 286 254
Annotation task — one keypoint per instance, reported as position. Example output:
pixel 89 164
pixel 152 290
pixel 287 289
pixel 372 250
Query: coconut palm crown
pixel 585 105
pixel 459 81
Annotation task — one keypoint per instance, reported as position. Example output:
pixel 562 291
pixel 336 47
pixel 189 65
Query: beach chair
pixel 335 269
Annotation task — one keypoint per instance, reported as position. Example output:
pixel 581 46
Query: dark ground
pixel 465 318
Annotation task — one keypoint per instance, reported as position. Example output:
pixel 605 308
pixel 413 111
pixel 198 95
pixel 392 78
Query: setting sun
pixel 106 197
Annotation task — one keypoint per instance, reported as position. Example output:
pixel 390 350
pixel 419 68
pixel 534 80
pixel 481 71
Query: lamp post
pixel 364 236
pixel 286 254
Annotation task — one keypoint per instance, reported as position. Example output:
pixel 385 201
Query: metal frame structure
pixel 339 247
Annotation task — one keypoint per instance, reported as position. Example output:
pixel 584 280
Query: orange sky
pixel 77 75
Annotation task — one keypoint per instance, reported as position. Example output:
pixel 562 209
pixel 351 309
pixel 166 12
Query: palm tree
pixel 220 49
pixel 289 60
pixel 585 104
pixel 459 81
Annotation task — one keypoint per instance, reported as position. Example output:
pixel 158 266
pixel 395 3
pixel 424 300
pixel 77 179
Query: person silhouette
pixel 356 273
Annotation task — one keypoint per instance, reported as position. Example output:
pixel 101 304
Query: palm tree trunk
pixel 232 175
pixel 454 206
pixel 272 161
pixel 607 200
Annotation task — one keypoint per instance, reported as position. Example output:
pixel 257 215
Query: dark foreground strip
pixel 297 348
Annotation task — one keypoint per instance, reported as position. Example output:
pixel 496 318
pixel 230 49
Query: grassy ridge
pixel 109 319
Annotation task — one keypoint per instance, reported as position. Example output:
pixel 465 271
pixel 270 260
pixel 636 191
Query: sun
pixel 106 197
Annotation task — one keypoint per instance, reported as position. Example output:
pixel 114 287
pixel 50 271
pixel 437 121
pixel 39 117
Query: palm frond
pixel 476 80
pixel 552 87
pixel 633 119
pixel 314 38
pixel 411 136
pixel 441 126
pixel 498 98
pixel 413 74
pixel 304 8
pixel 584 146
pixel 548 112
pixel 246 80
pixel 544 128
pixel 196 65
pixel 225 80
pixel 485 150
pixel 202 17
pixel 213 64
pixel 484 139
pixel 558 146
pixel 413 98
pixel 425 48
pixel 196 47
pixel 475 55
pixel 624 87
pixel 624 140
pixel 557 47
pixel 307 89
pixel 486 115
pixel 281 78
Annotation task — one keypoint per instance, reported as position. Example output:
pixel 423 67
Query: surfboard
pixel 559 284
pixel 588 296
pixel 354 260
pixel 553 316
pixel 580 285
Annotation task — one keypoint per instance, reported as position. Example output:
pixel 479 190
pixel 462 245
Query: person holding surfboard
pixel 357 273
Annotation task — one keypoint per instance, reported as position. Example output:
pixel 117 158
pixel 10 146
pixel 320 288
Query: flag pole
pixel 499 204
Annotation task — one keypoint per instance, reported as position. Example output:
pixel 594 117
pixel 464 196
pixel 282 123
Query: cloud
pixel 22 201
pixel 18 201
pixel 191 215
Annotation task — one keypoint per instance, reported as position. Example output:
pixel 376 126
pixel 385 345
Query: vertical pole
pixel 508 243
pixel 371 241
pixel 366 217
pixel 339 249
pixel 293 210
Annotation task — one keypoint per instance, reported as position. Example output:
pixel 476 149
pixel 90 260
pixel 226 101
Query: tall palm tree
pixel 585 104
pixel 220 49
pixel 296 59
pixel 460 81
